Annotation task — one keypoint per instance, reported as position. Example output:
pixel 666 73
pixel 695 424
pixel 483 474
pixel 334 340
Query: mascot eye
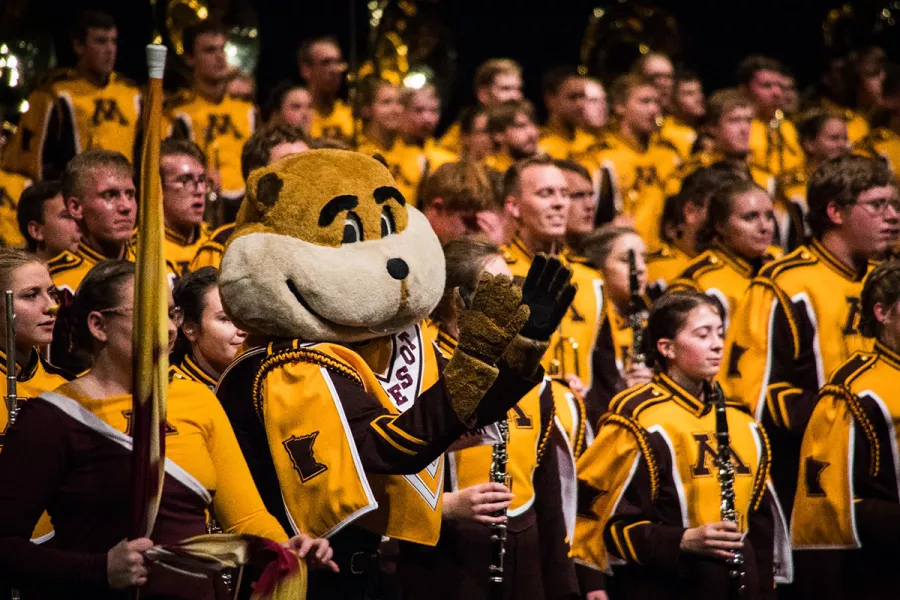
pixel 387 223
pixel 353 231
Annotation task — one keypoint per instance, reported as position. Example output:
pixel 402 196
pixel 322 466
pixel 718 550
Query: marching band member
pixel 90 106
pixel 207 339
pixel 562 137
pixel 514 134
pixel 290 104
pixel 67 440
pixel 45 223
pixel 798 320
pixel 613 365
pixel 737 241
pixel 651 492
pixel 322 68
pixel 682 218
pixel 530 508
pixel 846 508
pixel 182 167
pixel 537 198
pixel 637 161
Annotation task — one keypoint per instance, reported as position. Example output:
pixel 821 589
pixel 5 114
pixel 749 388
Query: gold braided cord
pixel 839 391
pixel 578 446
pixel 786 306
pixel 640 435
pixel 307 355
pixel 762 473
pixel 542 446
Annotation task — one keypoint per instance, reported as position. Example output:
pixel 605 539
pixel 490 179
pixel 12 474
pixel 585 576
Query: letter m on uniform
pixel 107 109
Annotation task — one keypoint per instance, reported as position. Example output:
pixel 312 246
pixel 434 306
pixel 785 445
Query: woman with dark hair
pixel 683 215
pixel 207 339
pixel 735 240
pixel 70 454
pixel 650 487
pixel 459 566
pixel 846 516
pixel 290 104
pixel 613 365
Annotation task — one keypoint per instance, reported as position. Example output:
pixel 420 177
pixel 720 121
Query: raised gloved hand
pixel 495 315
pixel 548 295
pixel 486 327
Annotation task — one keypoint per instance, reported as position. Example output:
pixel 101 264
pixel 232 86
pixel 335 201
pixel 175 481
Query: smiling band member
pixel 649 492
pixel 798 319
pixel 207 339
pixel 536 196
pixel 344 424
pixel 736 239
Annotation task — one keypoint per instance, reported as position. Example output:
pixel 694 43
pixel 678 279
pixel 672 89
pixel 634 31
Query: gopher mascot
pixel 342 407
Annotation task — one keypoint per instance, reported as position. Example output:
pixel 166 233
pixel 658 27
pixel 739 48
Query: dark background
pixel 715 34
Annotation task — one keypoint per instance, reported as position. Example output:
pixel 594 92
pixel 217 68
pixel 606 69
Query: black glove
pixel 548 294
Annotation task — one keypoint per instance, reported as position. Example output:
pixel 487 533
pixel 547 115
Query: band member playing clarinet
pixel 502 537
pixel 652 500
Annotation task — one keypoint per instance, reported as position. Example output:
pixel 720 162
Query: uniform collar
pixel 174 236
pixel 190 366
pixel 87 252
pixel 738 263
pixel 28 371
pixel 889 356
pixel 830 260
pixel 620 139
pixel 681 396
pixel 519 247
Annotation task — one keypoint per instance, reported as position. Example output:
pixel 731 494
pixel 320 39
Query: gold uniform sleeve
pixel 238 505
pixel 604 472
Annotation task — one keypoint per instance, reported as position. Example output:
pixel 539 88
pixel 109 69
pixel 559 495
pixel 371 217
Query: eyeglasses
pixel 176 314
pixel 191 182
pixel 879 206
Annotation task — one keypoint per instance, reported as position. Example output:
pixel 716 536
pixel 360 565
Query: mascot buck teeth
pixel 342 405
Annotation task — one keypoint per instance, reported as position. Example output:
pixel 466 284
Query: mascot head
pixel 327 249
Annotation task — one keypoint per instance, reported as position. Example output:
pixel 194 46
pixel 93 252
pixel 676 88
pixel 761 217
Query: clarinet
pixel 12 394
pixel 499 474
pixel 635 312
pixel 726 484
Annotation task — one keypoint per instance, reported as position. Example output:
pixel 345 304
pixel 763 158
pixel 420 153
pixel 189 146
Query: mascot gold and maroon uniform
pixel 341 405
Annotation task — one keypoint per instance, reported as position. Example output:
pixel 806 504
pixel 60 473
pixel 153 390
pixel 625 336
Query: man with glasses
pixel 184 187
pixel 798 320
pixel 322 66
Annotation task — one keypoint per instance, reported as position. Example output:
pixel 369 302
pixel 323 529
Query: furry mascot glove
pixel 548 294
pixel 486 328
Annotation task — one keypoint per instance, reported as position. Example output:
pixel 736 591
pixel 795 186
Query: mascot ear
pixel 267 190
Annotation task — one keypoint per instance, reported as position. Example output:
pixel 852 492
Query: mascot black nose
pixel 397 268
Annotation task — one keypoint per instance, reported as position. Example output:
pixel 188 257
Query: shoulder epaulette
pixel 662 253
pixel 664 143
pixel 631 404
pixel 643 442
pixel 63 262
pixel 797 258
pixel 737 405
pixel 221 235
pixel 58 75
pixel 700 265
pixel 179 98
pixel 855 366
pixel 290 352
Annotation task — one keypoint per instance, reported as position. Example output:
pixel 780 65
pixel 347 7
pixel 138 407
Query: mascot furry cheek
pixel 327 249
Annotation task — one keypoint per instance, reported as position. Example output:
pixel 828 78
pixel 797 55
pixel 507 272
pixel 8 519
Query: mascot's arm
pixel 402 444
